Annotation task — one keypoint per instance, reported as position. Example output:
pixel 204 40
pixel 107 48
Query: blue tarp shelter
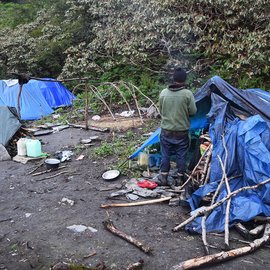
pixel 242 117
pixel 38 98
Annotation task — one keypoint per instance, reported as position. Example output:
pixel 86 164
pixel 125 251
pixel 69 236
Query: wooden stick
pixel 99 96
pixel 110 227
pixel 6 219
pixel 137 88
pixel 225 255
pixel 52 176
pixel 204 239
pixel 190 176
pixel 38 166
pixel 121 94
pixel 136 103
pixel 136 203
pixel 47 171
pixel 245 242
pixel 86 106
pixel 228 206
pixel 261 219
pixel 257 230
pixel 207 174
pixel 90 255
pixel 136 266
pixel 19 100
pixel 242 230
pixel 210 208
pixel 203 221
pixel 227 212
pixel 206 165
pixel 89 127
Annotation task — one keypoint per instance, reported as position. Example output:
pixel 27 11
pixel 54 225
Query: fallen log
pixel 212 207
pixel 136 203
pixel 225 255
pixel 110 227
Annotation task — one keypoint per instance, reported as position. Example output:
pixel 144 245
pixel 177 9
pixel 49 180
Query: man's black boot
pixel 179 181
pixel 171 182
pixel 162 179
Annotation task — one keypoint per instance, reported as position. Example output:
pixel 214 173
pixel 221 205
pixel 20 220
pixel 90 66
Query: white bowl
pixel 110 175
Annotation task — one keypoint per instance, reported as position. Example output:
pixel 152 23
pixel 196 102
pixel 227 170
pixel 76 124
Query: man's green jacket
pixel 176 105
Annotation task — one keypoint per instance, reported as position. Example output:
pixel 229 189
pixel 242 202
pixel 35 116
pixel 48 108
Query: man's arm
pixel 192 109
pixel 160 103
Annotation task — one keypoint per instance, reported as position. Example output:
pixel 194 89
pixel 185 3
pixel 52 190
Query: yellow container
pixel 143 159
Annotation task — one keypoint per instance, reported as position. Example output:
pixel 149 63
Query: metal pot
pixel 52 163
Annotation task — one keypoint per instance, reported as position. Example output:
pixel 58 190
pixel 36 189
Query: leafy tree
pixel 109 39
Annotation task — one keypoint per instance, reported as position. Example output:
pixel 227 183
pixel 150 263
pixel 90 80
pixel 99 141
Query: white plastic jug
pixel 21 147
pixel 33 148
pixel 143 159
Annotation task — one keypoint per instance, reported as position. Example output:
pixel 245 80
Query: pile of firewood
pixel 201 172
pixel 12 145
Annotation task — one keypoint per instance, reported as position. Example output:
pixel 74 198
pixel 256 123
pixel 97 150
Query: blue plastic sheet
pixel 248 146
pixel 38 98
pixel 239 119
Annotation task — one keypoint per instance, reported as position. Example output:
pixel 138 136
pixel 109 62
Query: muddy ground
pixel 33 225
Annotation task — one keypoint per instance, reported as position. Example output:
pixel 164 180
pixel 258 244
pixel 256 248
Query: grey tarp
pixel 9 124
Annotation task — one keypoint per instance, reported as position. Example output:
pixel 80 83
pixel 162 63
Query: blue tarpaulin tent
pixel 38 98
pixel 242 117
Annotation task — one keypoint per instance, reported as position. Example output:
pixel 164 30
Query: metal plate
pixel 110 175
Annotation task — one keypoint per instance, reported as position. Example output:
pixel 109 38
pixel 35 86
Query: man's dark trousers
pixel 173 142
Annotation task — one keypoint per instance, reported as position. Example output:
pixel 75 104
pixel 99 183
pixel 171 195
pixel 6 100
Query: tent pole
pixel 18 101
pixel 86 106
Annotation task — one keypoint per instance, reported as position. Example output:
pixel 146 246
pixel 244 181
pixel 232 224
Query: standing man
pixel 176 105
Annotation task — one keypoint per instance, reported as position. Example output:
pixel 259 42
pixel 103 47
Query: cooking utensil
pixel 52 163
pixel 110 175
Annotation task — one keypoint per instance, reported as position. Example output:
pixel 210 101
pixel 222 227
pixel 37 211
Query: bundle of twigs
pixel 12 145
pixel 201 172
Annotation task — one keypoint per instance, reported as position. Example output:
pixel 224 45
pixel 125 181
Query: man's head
pixel 179 75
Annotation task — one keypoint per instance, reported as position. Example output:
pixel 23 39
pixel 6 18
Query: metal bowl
pixel 52 163
pixel 110 175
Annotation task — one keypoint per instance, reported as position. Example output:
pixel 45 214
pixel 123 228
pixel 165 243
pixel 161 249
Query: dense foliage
pixel 137 39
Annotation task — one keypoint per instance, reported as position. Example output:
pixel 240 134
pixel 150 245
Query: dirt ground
pixel 33 225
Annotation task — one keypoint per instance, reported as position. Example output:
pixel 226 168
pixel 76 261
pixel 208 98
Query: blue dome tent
pixel 38 98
